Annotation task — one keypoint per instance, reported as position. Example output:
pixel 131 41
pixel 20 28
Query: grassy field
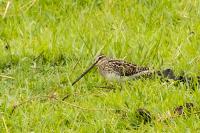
pixel 47 44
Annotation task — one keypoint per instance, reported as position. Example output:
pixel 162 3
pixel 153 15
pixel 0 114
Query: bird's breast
pixel 109 74
pixel 112 76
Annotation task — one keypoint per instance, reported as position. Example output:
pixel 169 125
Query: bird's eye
pixel 100 57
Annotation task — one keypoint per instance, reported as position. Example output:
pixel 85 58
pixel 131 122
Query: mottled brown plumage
pixel 118 69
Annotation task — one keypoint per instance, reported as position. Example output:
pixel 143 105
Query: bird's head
pixel 100 58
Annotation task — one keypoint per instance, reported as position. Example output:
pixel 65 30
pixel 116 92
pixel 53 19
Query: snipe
pixel 113 69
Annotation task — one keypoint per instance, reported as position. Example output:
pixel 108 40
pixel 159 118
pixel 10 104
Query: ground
pixel 46 44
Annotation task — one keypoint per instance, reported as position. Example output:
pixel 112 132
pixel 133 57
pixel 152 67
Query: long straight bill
pixel 85 72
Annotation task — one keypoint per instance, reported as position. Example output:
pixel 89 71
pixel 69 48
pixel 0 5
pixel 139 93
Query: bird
pixel 114 69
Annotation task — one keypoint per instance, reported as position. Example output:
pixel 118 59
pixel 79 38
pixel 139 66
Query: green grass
pixel 44 47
